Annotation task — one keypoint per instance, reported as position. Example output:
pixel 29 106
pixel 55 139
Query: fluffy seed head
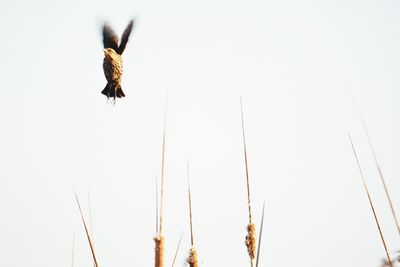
pixel 251 240
pixel 192 259
pixel 159 262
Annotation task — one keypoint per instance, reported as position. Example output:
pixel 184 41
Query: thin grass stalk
pixel 251 227
pixel 73 249
pixel 190 207
pixel 384 184
pixel 245 161
pixel 260 235
pixel 157 220
pixel 87 231
pixel 159 239
pixel 90 217
pixel 91 221
pixel 192 259
pixel 371 203
pixel 177 249
pixel 377 165
pixel 162 165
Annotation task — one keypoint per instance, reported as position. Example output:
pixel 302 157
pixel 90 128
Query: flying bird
pixel 112 63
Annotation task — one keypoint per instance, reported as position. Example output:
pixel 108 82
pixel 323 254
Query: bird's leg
pixel 108 99
pixel 108 95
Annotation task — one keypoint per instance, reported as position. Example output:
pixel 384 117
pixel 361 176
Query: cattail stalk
pixel 177 249
pixel 371 203
pixel 157 212
pixel 91 221
pixel 260 236
pixel 192 259
pixel 73 249
pixel 245 162
pixel 162 166
pixel 190 206
pixel 389 199
pixel 87 231
pixel 159 239
pixel 251 227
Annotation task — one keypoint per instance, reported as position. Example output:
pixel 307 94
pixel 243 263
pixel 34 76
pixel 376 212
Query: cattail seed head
pixel 192 259
pixel 251 240
pixel 159 262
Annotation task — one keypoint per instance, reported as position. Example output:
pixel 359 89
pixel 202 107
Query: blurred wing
pixel 125 37
pixel 110 39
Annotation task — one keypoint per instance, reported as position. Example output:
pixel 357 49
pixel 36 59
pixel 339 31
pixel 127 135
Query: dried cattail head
pixel 159 262
pixel 385 263
pixel 192 259
pixel 251 240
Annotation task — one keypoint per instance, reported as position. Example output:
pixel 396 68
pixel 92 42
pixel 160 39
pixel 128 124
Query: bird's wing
pixel 125 37
pixel 110 39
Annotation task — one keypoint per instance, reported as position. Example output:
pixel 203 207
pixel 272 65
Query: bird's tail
pixel 111 91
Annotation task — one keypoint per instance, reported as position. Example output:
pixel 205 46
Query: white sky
pixel 292 62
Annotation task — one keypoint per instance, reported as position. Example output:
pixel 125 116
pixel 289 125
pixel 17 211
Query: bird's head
pixel 109 52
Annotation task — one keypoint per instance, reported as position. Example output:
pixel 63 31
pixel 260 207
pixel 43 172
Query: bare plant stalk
pixel 159 239
pixel 251 228
pixel 384 184
pixel 377 165
pixel 260 235
pixel 190 207
pixel 73 249
pixel 162 165
pixel 87 232
pixel 245 162
pixel 192 259
pixel 177 249
pixel 371 204
pixel 159 262
pixel 157 221
pixel 91 221
pixel 90 217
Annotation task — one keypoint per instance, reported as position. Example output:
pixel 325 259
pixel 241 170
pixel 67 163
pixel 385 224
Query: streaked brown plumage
pixel 112 63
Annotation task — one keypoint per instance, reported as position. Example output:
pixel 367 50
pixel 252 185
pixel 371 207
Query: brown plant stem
pixel 371 203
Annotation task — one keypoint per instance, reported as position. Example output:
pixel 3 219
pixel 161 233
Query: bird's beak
pixel 105 51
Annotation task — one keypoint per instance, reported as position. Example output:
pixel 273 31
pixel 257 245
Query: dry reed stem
pixel 384 184
pixel 190 206
pixel 377 165
pixel 260 235
pixel 159 262
pixel 177 249
pixel 251 241
pixel 245 161
pixel 90 217
pixel 192 259
pixel 87 231
pixel 159 239
pixel 371 203
pixel 91 221
pixel 162 166
pixel 73 249
pixel 157 221
pixel 251 228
